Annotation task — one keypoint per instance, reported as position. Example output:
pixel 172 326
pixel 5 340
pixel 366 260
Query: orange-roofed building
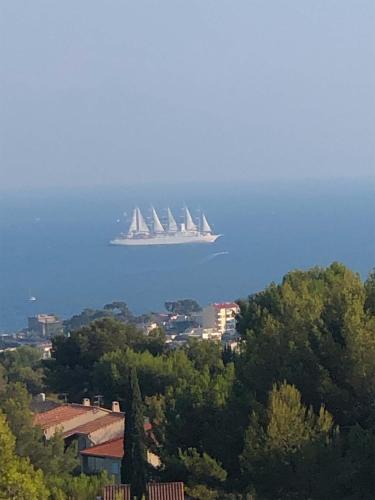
pixel 96 431
pixel 107 457
pixel 81 419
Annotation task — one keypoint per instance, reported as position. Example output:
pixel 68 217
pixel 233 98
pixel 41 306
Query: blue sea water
pixel 54 244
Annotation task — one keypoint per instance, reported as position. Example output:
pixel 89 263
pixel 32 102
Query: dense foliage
pixel 117 310
pixel 30 466
pixel 290 415
pixel 73 368
pixel 133 465
pixel 24 365
pixel 18 479
pixel 183 306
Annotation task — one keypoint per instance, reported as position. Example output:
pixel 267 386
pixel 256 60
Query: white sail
pixel 205 225
pixel 158 228
pixel 189 224
pixel 142 226
pixel 133 228
pixel 172 224
pixel 142 233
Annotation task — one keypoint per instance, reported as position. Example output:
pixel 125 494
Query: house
pixel 96 431
pixel 70 419
pixel 107 457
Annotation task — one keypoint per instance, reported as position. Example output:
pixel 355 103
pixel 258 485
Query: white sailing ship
pixel 171 233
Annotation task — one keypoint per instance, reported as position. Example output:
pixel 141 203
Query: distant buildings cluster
pixel 39 332
pixel 45 325
pixel 215 322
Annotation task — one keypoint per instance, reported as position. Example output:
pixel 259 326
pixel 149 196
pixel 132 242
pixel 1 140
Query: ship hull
pixel 166 240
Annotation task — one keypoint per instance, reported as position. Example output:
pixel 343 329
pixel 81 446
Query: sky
pixel 116 92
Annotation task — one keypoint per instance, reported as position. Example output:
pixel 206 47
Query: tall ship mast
pixel 141 233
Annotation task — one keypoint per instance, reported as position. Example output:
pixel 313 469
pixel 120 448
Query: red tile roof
pixel 156 491
pixel 165 491
pixel 226 305
pixel 60 414
pixel 116 492
pixel 113 448
pixel 94 425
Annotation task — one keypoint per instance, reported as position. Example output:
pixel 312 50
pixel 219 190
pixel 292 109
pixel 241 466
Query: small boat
pixel 32 298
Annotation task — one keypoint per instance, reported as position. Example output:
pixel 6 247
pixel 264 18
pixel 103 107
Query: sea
pixel 54 243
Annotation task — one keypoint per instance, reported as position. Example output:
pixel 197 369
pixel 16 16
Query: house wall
pixel 115 430
pixel 91 465
pixel 221 319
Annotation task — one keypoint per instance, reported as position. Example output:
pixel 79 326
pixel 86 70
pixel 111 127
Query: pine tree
pixel 18 479
pixel 281 455
pixel 133 466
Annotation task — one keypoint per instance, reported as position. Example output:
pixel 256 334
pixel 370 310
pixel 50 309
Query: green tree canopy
pixel 49 456
pixel 74 357
pixel 18 479
pixel 183 306
pixel 281 447
pixel 311 330
pixel 259 423
pixel 24 365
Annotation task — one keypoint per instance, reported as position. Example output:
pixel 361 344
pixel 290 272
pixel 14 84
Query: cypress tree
pixel 133 465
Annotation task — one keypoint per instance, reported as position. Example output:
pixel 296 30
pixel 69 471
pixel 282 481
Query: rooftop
pixel 94 425
pixel 113 448
pixel 226 305
pixel 156 491
pixel 62 413
pixel 166 491
pixel 117 491
pixel 46 318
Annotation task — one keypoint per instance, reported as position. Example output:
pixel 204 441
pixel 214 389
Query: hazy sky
pixel 113 91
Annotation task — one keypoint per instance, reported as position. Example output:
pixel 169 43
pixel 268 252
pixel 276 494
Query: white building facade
pixel 221 317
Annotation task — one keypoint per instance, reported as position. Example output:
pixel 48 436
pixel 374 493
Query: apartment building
pixel 220 317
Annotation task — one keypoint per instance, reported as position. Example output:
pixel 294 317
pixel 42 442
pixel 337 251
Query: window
pixel 115 468
pixel 81 443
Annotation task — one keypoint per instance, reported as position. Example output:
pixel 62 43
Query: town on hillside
pixel 182 320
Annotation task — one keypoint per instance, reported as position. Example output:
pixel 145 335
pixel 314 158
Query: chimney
pixel 116 406
pixel 41 397
pixel 86 402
